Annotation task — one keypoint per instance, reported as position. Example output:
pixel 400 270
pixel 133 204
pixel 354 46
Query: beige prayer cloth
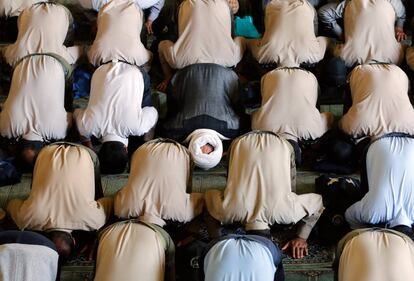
pixel 34 108
pixel 42 29
pixel 13 8
pixel 128 250
pixel 369 33
pixel 62 194
pixel 204 28
pixel 289 97
pixel 289 37
pixel 118 37
pixel 377 255
pixel 258 191
pixel 157 184
pixel 380 102
pixel 409 55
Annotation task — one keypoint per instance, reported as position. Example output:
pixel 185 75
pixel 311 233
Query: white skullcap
pixel 201 137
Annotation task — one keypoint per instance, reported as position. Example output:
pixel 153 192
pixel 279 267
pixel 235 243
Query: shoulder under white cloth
pixel 28 262
pixel 201 137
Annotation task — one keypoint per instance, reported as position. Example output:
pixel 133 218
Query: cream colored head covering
pixel 201 137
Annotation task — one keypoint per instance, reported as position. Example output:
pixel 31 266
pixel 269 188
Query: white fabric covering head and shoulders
pixel 375 254
pixel 259 185
pixel 42 29
pixel 157 184
pixel 34 109
pixel 292 20
pixel 380 102
pixel 28 262
pixel 289 97
pixel 137 249
pixel 239 260
pixel 13 8
pixel 390 174
pixel 369 33
pixel 114 109
pixel 204 36
pixel 62 194
pixel 118 37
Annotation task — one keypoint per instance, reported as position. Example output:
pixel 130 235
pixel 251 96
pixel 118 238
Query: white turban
pixel 201 137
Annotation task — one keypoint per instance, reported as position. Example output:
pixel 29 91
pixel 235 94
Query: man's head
pixel 28 154
pixel 64 243
pixel 113 157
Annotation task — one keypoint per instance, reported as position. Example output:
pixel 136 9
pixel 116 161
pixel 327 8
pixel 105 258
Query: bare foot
pixel 162 87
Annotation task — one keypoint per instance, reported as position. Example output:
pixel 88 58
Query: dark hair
pixel 23 163
pixel 340 151
pixel 113 157
pixel 64 243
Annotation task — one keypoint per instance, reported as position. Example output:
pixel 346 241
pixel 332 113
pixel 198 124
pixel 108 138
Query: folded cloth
pixel 201 137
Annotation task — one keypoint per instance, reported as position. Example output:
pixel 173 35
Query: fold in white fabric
pixel 201 137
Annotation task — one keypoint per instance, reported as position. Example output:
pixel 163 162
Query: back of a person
pixel 12 8
pixel 390 175
pixel 157 184
pixel 289 98
pixel 205 34
pixel 42 29
pixel 289 38
pixel 205 89
pixel 369 33
pixel 380 255
pixel 129 251
pixel 34 109
pixel 63 191
pixel 239 259
pixel 380 102
pixel 118 37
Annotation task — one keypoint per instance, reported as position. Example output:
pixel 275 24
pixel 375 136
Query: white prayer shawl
pixel 380 102
pixel 258 191
pixel 42 29
pixel 27 262
pixel 204 28
pixel 34 109
pixel 289 99
pixel 390 174
pixel 201 137
pixel 114 109
pixel 289 38
pixel 118 37
pixel 13 8
pixel 369 33
pixel 377 255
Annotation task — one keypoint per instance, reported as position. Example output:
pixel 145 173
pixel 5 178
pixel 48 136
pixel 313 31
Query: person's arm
pixel 153 15
pixel 400 19
pixel 146 121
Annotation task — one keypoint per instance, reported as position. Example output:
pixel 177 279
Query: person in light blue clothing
pixel 242 258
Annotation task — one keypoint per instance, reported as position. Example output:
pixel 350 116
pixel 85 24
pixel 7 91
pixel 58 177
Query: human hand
pixel 148 25
pixel 299 247
pixel 400 34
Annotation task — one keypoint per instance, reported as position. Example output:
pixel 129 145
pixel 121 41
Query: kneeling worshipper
pixel 242 257
pixel 115 112
pixel 157 186
pixel 26 255
pixel 204 36
pixel 289 97
pixel 374 254
pixel 118 37
pixel 206 147
pixel 204 96
pixel 289 38
pixel 389 180
pixel 260 190
pixel 132 248
pixel 65 184
pixel 380 102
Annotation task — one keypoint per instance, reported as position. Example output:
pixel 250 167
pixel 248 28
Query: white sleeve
pixel 146 121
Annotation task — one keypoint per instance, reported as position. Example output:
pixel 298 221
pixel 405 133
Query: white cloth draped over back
pixel 13 8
